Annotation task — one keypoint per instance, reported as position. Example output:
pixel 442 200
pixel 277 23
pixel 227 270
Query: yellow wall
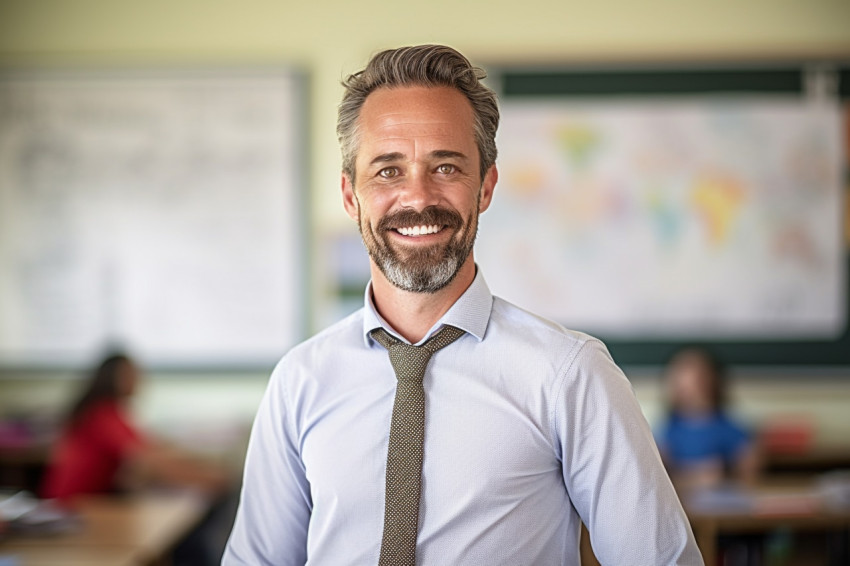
pixel 328 39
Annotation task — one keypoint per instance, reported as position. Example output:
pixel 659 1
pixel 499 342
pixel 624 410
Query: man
pixel 518 430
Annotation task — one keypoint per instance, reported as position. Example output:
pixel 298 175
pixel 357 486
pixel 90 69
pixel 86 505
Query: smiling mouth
pixel 415 231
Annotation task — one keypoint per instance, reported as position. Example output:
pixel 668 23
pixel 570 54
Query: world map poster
pixel 671 219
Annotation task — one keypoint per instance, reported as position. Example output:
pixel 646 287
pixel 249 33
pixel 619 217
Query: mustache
pixel 428 216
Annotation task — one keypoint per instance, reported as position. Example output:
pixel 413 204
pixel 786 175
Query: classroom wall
pixel 328 39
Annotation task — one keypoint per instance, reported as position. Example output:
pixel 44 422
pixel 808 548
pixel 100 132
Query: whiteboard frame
pixel 298 230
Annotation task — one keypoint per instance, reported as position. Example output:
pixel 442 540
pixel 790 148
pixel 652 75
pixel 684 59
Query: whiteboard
pixel 680 219
pixel 154 211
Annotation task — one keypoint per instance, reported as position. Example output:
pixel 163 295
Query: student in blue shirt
pixel 700 443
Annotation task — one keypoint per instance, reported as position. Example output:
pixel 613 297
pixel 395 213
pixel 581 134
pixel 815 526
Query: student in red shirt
pixel 101 451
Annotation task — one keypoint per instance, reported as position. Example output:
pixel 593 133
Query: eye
pixel 446 169
pixel 388 172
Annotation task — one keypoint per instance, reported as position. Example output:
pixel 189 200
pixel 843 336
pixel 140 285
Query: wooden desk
pixel 135 530
pixel 816 460
pixel 797 507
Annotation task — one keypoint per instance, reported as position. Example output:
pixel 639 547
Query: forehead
pixel 434 101
pixel 433 114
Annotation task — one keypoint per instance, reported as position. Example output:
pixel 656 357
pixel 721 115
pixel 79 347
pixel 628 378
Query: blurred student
pixel 100 450
pixel 700 443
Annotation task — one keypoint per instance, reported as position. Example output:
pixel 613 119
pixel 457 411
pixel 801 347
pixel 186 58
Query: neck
pixel 413 314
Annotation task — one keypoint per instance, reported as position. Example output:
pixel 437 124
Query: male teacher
pixel 440 425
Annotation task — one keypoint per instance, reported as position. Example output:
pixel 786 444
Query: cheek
pixel 373 207
pixel 368 218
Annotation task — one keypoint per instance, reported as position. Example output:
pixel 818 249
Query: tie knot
pixel 409 362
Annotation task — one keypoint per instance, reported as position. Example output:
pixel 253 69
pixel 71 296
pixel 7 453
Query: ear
pixel 487 188
pixel 349 200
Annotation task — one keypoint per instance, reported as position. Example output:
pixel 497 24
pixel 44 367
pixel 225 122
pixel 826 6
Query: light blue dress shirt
pixel 529 429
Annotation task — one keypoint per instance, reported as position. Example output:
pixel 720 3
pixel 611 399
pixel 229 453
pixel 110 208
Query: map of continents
pixel 671 219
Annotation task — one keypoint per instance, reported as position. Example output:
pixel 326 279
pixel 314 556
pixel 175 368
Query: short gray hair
pixel 420 65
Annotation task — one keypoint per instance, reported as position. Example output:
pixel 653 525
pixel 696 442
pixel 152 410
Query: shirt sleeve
pixel 274 509
pixel 612 469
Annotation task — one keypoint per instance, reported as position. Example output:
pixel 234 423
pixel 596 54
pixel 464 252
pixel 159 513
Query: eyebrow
pixel 437 154
pixel 447 154
pixel 387 157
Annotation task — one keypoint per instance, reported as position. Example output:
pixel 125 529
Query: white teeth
pixel 419 230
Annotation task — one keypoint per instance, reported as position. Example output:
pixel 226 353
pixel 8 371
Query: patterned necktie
pixel 407 433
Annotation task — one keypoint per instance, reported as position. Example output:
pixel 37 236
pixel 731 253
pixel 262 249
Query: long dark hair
pixel 102 385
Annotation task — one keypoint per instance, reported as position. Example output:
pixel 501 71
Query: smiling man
pixel 440 424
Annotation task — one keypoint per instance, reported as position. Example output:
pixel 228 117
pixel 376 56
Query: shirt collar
pixel 470 313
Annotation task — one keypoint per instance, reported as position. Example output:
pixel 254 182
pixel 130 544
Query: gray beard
pixel 420 278
pixel 424 270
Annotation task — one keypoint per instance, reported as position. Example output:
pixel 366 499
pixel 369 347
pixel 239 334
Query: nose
pixel 419 192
